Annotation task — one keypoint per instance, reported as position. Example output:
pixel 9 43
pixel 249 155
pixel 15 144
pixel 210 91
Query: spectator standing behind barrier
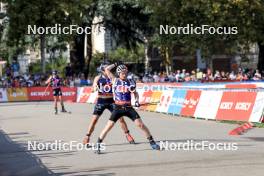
pixel 199 74
pixel 239 76
pixel 187 77
pixel 83 81
pixel 71 82
pixel 257 76
pixel 208 76
pixel 224 76
pixel 171 77
pixel 178 76
pixel 183 74
pixel 232 76
pixel 156 77
pixel 77 81
pixel 193 76
pixel 217 75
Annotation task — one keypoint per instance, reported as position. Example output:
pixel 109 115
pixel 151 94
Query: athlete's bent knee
pixel 121 120
pixel 140 124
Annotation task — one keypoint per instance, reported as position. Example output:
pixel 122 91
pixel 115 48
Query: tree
pixel 127 21
pixel 34 12
pixel 246 15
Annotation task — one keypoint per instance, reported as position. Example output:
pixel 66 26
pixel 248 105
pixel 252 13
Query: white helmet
pixel 121 68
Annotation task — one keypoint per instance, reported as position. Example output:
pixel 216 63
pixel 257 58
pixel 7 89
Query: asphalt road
pixel 25 123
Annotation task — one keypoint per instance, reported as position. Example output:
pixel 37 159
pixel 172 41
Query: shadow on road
pixel 16 160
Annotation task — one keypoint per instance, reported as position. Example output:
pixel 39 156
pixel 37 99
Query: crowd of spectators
pixel 12 78
pixel 204 76
pixel 31 80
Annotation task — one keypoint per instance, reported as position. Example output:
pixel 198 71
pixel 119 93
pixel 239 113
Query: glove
pixel 137 104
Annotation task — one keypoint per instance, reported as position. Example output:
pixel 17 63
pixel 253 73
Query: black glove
pixel 137 104
pixel 118 63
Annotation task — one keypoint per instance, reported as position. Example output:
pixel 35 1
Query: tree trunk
pixel 76 54
pixel 42 53
pixel 261 56
pixel 168 60
pixel 146 55
pixel 89 51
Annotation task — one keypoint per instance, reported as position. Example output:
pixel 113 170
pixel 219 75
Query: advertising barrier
pixel 83 94
pixel 236 106
pixel 208 104
pixel 43 94
pixel 17 94
pixel 176 104
pixel 145 99
pixel 190 102
pixel 258 109
pixel 155 99
pixel 69 94
pixel 245 104
pixel 3 95
pixel 39 94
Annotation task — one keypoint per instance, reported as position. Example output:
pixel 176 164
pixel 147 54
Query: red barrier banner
pixel 191 100
pixel 236 106
pixel 241 86
pixel 39 94
pixel 69 93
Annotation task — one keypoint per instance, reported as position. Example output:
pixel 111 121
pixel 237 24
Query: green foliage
pixel 97 59
pixel 58 64
pixel 130 22
pixel 126 55
pixel 247 15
